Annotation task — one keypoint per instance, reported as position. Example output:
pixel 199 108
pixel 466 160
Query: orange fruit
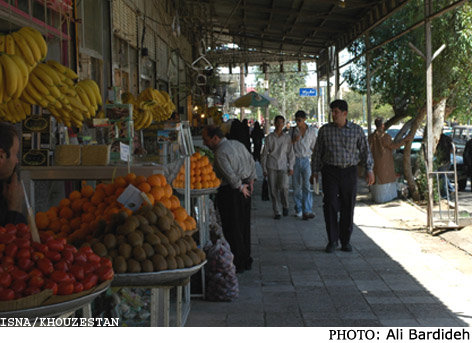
pixel 42 220
pixel 64 202
pixel 163 179
pixel 151 198
pixel 166 202
pixel 87 217
pixel 119 190
pixel 180 214
pixel 52 213
pixel 144 187
pixel 175 202
pixel 87 191
pixel 130 178
pixel 154 180
pixel 168 191
pixel 157 192
pixel 198 185
pixel 140 179
pixel 75 223
pixel 56 225
pixel 110 189
pixel 75 195
pixel 181 224
pixel 76 205
pixel 120 182
pixel 192 221
pixel 66 212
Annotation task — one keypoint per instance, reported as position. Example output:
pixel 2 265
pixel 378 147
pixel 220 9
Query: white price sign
pixel 124 152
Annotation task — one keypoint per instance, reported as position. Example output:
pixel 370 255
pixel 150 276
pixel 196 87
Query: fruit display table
pixel 161 284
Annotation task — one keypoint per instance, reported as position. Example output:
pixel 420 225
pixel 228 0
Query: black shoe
pixel 307 216
pixel 277 216
pixel 285 212
pixel 240 270
pixel 330 247
pixel 347 247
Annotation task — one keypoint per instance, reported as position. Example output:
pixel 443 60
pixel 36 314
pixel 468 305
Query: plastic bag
pixel 220 272
pixel 265 190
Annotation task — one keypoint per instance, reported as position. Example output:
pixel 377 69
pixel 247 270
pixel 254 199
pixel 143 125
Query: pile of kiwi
pixel 150 240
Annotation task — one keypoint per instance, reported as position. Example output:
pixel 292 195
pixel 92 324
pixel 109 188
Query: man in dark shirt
pixel 11 194
pixel 340 147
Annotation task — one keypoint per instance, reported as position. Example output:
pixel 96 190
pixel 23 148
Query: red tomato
pixel 105 262
pixel 1 269
pixel 40 247
pixel 78 287
pixel 32 290
pixel 11 250
pixel 23 243
pixel 23 253
pixel 86 249
pixel 54 256
pixel 35 272
pixel 37 256
pixel 94 258
pixel 55 244
pixel 22 227
pixel 5 279
pixel 68 256
pixel 60 276
pixel 90 281
pixel 77 271
pixel 7 294
pixel 65 288
pixel 45 265
pixel 105 273
pixel 25 264
pixel 70 248
pixel 90 268
pixel 61 265
pixel 80 258
pixel 19 275
pixel 11 228
pixel 45 236
pixel 6 238
pixel 36 281
pixel 18 286
pixel 51 285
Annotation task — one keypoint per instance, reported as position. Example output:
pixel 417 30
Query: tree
pixel 399 77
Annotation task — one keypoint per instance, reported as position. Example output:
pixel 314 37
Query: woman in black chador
pixel 257 136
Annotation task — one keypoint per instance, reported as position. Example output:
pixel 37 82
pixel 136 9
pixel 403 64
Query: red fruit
pixel 25 264
pixel 45 236
pixel 18 286
pixel 68 256
pixel 105 273
pixel 5 279
pixel 11 229
pixel 78 287
pixel 60 276
pixel 36 281
pixel 77 271
pixel 37 256
pixel 51 285
pixel 90 281
pixel 90 268
pixel 23 253
pixel 11 250
pixel 65 288
pixel 7 294
pixel 61 265
pixel 87 250
pixel 93 258
pixel 45 265
pixel 19 275
pixel 6 238
pixel 80 258
pixel 35 272
pixel 40 247
pixel 55 244
pixel 105 262
pixel 70 248
pixel 23 243
pixel 31 290
pixel 22 227
pixel 54 256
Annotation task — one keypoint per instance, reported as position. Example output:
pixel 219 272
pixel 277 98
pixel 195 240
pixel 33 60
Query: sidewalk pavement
pixel 397 274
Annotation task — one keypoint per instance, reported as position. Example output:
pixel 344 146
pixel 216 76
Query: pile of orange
pixel 201 174
pixel 77 216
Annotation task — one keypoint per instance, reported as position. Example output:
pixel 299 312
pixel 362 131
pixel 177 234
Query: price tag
pixel 131 198
pixel 124 152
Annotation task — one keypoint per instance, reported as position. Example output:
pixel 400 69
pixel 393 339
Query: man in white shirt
pixel 303 139
pixel 277 162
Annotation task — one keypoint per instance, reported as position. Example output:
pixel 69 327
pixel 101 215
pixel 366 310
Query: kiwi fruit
pixel 159 209
pixel 119 265
pixel 135 239
pixel 152 239
pixel 161 249
pixel 187 261
pixel 176 248
pixel 109 240
pixel 151 217
pixel 100 249
pixel 162 237
pixel 200 253
pixel 180 262
pixel 133 266
pixel 170 216
pixel 173 234
pixel 148 249
pixel 145 208
pixel 120 239
pixel 139 254
pixel 125 250
pixel 159 262
pixel 147 266
pixel 142 220
pixel 163 223
pixel 192 243
pixel 101 227
pixel 170 249
pixel 194 257
pixel 171 262
pixel 182 246
pixel 146 229
pixel 113 253
pixel 124 229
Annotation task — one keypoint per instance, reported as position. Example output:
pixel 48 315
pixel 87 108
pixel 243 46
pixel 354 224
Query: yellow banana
pixel 33 46
pixel 51 72
pixel 11 75
pixel 23 47
pixel 37 84
pixel 2 89
pixel 26 107
pixel 38 38
pixel 55 92
pixel 2 43
pixel 71 74
pixel 27 98
pixel 83 96
pixel 23 68
pixel 91 111
pixel 35 95
pixel 69 82
pixel 56 65
pixel 9 45
pixel 43 76
pixel 75 102
pixel 90 93
pixel 93 85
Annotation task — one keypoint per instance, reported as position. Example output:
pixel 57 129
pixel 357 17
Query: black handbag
pixel 265 190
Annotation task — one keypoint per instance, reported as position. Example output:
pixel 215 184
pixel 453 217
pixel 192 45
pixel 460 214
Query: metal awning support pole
pixel 368 77
pixel 266 115
pixel 336 74
pixel 318 96
pixel 242 88
pixel 328 88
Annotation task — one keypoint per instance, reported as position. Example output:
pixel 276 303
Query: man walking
pixel 235 166
pixel 277 164
pixel 340 147
pixel 303 139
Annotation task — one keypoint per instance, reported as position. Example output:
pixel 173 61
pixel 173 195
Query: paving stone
pixel 284 319
pixel 391 311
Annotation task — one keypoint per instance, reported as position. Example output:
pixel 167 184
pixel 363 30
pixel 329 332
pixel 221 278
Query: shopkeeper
pixel 11 193
pixel 235 167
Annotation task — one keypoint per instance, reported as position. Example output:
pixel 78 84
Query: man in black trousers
pixel 340 147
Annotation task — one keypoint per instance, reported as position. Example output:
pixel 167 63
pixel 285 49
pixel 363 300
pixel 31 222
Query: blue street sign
pixel 308 92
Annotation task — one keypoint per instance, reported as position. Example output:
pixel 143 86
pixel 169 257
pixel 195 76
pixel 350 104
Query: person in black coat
pixel 257 136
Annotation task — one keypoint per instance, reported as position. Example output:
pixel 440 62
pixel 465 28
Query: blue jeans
pixel 301 185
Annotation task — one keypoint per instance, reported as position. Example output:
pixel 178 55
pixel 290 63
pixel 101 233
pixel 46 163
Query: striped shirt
pixel 233 163
pixel 341 147
pixel 277 153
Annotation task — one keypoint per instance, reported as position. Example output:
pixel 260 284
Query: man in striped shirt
pixel 340 147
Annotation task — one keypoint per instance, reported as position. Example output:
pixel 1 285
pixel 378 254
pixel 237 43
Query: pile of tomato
pixel 28 267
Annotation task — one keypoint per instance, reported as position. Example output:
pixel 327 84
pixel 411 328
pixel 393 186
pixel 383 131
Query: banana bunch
pixel 216 115
pixel 142 110
pixel 14 111
pixel 162 106
pixel 13 77
pixel 27 43
pixel 89 94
